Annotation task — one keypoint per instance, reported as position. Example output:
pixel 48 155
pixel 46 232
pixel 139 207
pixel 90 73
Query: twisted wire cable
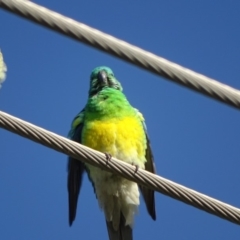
pixel 128 171
pixel 123 50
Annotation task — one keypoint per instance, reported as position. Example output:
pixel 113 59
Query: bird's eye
pixel 105 97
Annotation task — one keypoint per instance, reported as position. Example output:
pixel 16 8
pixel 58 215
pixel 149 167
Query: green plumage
pixel 107 103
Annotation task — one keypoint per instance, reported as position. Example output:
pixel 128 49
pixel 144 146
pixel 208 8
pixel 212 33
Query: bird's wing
pixel 75 168
pixel 148 194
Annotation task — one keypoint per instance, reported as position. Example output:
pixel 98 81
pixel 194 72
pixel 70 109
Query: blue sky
pixel 195 139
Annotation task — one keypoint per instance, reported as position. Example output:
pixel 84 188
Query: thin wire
pixel 98 159
pixel 124 50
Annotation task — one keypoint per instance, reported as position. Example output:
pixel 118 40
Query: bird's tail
pixel 124 231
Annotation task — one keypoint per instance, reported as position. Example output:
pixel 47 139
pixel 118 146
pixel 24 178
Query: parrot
pixel 109 124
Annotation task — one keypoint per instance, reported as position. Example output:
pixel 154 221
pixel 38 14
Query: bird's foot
pixel 137 167
pixel 108 157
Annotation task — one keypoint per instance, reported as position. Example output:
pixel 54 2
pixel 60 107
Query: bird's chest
pixel 122 138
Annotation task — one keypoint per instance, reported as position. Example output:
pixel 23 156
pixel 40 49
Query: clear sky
pixel 195 139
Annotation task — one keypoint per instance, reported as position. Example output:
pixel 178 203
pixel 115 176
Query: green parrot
pixel 109 124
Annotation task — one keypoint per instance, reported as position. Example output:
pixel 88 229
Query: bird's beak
pixel 102 78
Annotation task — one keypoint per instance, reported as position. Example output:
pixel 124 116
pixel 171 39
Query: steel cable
pixel 98 159
pixel 124 50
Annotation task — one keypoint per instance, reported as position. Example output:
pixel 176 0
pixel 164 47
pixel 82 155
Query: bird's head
pixel 102 77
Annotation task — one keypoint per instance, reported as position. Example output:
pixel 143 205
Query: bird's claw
pixel 108 157
pixel 136 167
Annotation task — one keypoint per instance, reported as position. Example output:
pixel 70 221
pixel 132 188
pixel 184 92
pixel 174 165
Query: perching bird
pixel 109 124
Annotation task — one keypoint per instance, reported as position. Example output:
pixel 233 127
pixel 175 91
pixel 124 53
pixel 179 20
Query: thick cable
pixel 123 50
pixel 98 159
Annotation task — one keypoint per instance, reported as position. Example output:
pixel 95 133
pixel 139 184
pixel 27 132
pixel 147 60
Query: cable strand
pixel 98 159
pixel 124 50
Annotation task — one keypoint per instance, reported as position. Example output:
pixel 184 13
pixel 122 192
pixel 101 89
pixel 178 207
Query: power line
pixel 98 159
pixel 123 50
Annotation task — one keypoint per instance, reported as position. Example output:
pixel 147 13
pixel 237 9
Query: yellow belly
pixel 123 138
